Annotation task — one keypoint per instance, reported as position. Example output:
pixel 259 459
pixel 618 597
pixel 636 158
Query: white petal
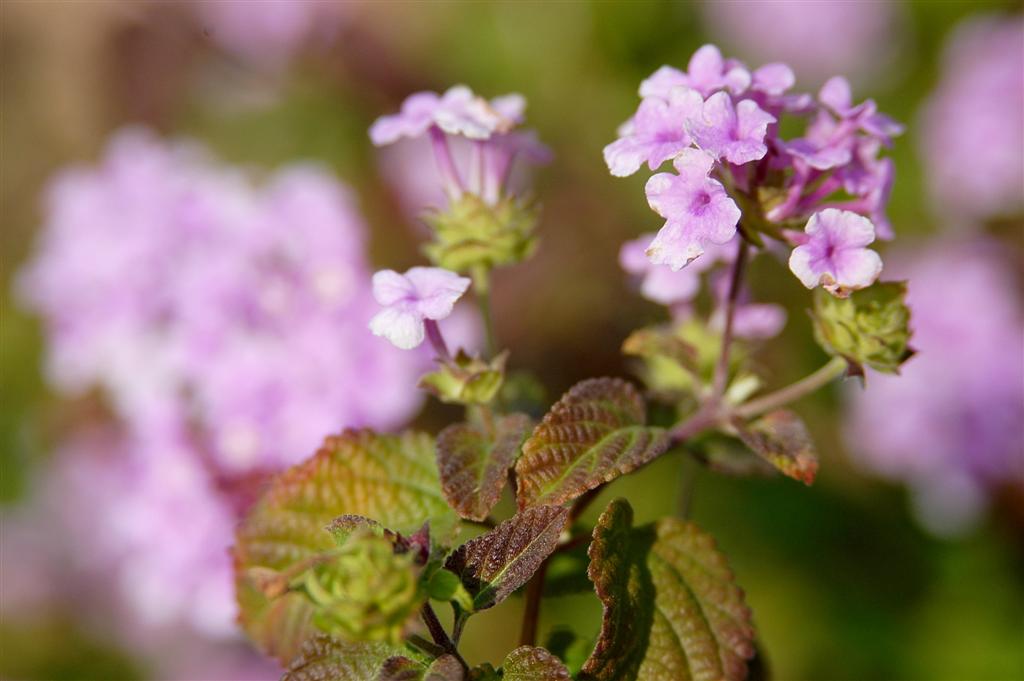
pixel 403 328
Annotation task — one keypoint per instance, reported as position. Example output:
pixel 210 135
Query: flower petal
pixel 402 327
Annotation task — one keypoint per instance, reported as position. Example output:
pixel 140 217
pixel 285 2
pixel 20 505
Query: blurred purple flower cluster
pixel 816 37
pixel 973 126
pixel 958 436
pixel 270 32
pixel 950 424
pixel 225 323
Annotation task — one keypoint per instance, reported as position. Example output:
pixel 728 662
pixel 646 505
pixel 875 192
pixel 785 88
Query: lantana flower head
pixel 421 293
pixel 835 254
pixel 696 208
pixel 460 113
pixel 743 160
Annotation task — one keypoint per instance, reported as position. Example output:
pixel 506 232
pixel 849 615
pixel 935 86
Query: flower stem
pixel 721 375
pixel 436 339
pixel 820 378
pixel 482 288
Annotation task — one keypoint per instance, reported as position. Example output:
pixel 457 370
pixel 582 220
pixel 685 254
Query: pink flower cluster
pixel 973 125
pixel 458 116
pixel 719 124
pixel 950 424
pixel 225 323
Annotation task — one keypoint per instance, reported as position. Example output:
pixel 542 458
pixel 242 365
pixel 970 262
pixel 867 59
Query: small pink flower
pixel 658 283
pixel 735 133
pixel 457 112
pixel 421 293
pixel 707 72
pixel 697 210
pixel 657 133
pixel 835 254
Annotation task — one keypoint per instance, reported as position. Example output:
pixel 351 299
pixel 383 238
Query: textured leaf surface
pixel 474 464
pixel 592 435
pixel 323 658
pixel 781 439
pixel 391 479
pixel 444 668
pixel 671 609
pixel 497 563
pixel 528 663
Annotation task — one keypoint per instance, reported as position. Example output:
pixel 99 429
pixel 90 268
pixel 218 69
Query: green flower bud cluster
pixel 366 592
pixel 471 236
pixel 466 380
pixel 871 327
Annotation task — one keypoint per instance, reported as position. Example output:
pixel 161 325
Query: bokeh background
pixel 873 573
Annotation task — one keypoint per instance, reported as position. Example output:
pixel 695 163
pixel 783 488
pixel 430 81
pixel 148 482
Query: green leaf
pixel 528 663
pixel 322 658
pixel 342 527
pixel 661 341
pixel 871 327
pixel 594 434
pixel 671 609
pixel 498 562
pixel 729 456
pixel 781 439
pixel 401 668
pixel 392 479
pixel 466 380
pixel 444 668
pixel 474 463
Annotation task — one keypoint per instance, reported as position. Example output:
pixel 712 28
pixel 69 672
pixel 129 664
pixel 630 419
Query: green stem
pixel 835 368
pixel 482 287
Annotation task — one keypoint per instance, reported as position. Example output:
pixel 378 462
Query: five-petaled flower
pixel 657 133
pixel 408 299
pixel 706 72
pixel 834 253
pixel 735 133
pixel 696 208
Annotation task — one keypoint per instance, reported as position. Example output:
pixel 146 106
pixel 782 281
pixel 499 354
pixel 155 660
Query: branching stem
pixel 783 396
pixel 438 633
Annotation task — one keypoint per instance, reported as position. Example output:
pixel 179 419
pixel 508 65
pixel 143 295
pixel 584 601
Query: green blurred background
pixel 843 583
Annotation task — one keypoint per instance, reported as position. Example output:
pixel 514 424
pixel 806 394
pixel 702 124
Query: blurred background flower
pixel 182 318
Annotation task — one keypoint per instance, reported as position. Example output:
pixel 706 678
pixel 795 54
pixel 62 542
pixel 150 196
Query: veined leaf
pixel 391 479
pixel 444 668
pixel 474 464
pixel 528 663
pixel 497 563
pixel 592 435
pixel 324 658
pixel 781 439
pixel 672 611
